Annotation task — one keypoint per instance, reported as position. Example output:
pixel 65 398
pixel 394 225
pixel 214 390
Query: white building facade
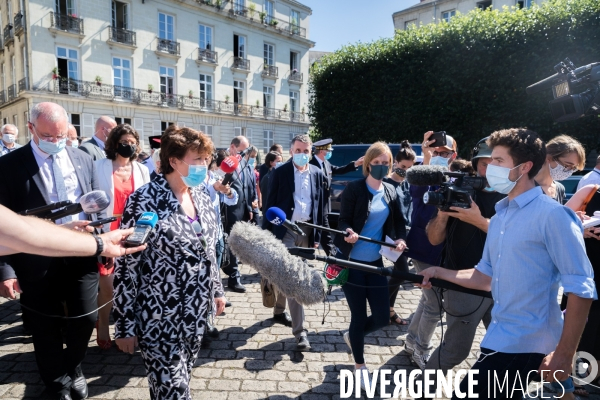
pixel 429 11
pixel 224 67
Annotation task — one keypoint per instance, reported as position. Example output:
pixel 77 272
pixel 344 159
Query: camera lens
pixel 433 199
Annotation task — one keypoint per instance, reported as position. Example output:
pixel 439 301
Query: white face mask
pixel 439 160
pixel 498 179
pixel 8 138
pixel 559 173
pixel 74 143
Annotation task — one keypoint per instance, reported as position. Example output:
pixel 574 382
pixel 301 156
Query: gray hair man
pixel 9 139
pixel 95 146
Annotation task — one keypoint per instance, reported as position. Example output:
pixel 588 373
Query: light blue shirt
pixel 367 251
pixel 533 244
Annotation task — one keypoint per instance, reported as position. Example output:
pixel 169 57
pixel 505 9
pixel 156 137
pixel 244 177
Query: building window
pixel 268 140
pixel 238 6
pixel 120 12
pixel 166 25
pixel 68 69
pixel 268 96
pixel 121 73
pixel 524 3
pixel 269 54
pixel 410 24
pixel 239 46
pixel 206 129
pixel 238 92
pixel 75 120
pixel 164 125
pixel 206 87
pixel 294 101
pixel 294 61
pixel 3 78
pixel 63 7
pixel 446 15
pixel 13 71
pixel 123 120
pixel 25 120
pixel 167 80
pixel 206 37
pixel 484 5
pixel 269 10
pixel 295 21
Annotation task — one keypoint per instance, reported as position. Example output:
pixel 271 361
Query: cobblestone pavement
pixel 253 358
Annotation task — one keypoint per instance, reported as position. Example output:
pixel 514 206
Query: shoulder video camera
pixel 455 192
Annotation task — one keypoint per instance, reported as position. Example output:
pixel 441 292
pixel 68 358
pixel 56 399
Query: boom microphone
pixel 90 203
pixel 229 165
pixel 426 175
pixel 276 216
pixel 262 251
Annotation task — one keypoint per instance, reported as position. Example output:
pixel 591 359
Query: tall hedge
pixel 467 77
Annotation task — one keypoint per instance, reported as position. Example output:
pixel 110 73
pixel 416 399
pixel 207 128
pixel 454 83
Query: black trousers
pixel 70 286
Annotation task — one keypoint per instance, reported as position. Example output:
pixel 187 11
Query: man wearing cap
pixel 463 231
pixel 9 139
pixel 323 151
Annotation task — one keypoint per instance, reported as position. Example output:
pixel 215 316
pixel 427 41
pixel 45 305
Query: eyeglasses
pixel 445 154
pixel 567 167
pixel 46 137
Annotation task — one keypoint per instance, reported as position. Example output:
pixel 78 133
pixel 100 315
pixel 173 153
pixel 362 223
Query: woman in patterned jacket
pixel 162 294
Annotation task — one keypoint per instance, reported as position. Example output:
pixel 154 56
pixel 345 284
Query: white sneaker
pixel 420 358
pixel 346 336
pixel 362 382
pixel 409 347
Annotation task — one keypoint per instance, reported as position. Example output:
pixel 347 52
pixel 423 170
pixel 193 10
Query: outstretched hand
pixel 113 243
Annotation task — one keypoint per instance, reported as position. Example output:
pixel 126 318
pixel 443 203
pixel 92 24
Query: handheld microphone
pixel 42 211
pixel 143 227
pixel 276 216
pixel 229 165
pixel 90 203
pixel 262 251
pixel 426 175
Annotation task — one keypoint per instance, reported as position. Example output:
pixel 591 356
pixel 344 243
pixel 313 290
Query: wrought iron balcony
pixel 23 85
pixel 9 34
pixel 167 46
pixel 295 77
pixel 67 23
pixel 12 92
pixel 208 56
pixel 284 27
pixel 119 35
pixel 19 23
pixel 241 63
pixel 270 71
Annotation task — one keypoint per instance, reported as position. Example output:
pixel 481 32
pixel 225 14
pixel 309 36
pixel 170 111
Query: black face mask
pixel 126 150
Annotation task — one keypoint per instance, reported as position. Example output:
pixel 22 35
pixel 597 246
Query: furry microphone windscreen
pixel 262 251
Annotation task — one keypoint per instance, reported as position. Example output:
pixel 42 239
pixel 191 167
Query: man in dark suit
pixel 245 185
pixel 95 146
pixel 323 151
pixel 42 172
pixel 296 187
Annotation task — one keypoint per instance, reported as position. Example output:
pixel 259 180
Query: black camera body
pixel 455 192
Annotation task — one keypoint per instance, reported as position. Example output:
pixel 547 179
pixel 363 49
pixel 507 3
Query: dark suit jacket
pixel 328 171
pixel 281 195
pixel 245 186
pixel 91 147
pixel 23 188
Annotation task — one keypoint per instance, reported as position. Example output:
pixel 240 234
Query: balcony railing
pixel 119 35
pixel 9 34
pixel 2 97
pixel 67 23
pixel 284 27
pixel 12 92
pixel 143 96
pixel 295 77
pixel 23 85
pixel 208 56
pixel 241 63
pixel 19 23
pixel 270 71
pixel 167 46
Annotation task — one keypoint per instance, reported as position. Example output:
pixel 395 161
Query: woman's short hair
pixel 406 152
pixel 271 156
pixel 376 149
pixel 176 142
pixel 114 136
pixel 563 145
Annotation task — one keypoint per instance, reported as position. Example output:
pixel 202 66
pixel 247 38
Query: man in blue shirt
pixel 533 246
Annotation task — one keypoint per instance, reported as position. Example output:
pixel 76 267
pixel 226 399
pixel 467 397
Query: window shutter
pixel 88 125
pixel 249 135
pixel 237 131
pixel 138 125
pixel 209 130
pixel 156 128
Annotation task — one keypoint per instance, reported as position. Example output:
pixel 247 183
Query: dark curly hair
pixel 114 136
pixel 523 145
pixel 176 142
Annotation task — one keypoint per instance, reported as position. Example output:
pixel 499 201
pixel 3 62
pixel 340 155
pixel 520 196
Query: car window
pixel 570 185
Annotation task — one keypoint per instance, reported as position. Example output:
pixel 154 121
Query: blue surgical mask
pixel 279 164
pixel 53 147
pixel 251 162
pixel 196 175
pixel 328 155
pixel 301 159
pixel 488 189
pixel 379 171
pixel 75 143
pixel 498 179
pixel 439 160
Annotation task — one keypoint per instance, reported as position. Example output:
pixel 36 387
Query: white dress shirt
pixel 100 142
pixel 591 178
pixel 302 195
pixel 44 162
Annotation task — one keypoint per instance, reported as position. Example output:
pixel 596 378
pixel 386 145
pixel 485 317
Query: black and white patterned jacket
pixel 163 293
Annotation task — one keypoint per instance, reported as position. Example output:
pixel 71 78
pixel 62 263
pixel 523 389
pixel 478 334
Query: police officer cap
pixel 324 144
pixel 481 150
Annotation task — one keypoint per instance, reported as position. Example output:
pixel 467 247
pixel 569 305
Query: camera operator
pixel 464 232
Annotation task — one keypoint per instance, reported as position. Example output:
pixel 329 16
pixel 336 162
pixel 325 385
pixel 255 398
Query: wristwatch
pixel 99 245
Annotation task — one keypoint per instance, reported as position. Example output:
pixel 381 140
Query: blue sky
pixel 335 23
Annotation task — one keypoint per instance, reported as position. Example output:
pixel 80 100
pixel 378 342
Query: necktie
pixel 59 183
